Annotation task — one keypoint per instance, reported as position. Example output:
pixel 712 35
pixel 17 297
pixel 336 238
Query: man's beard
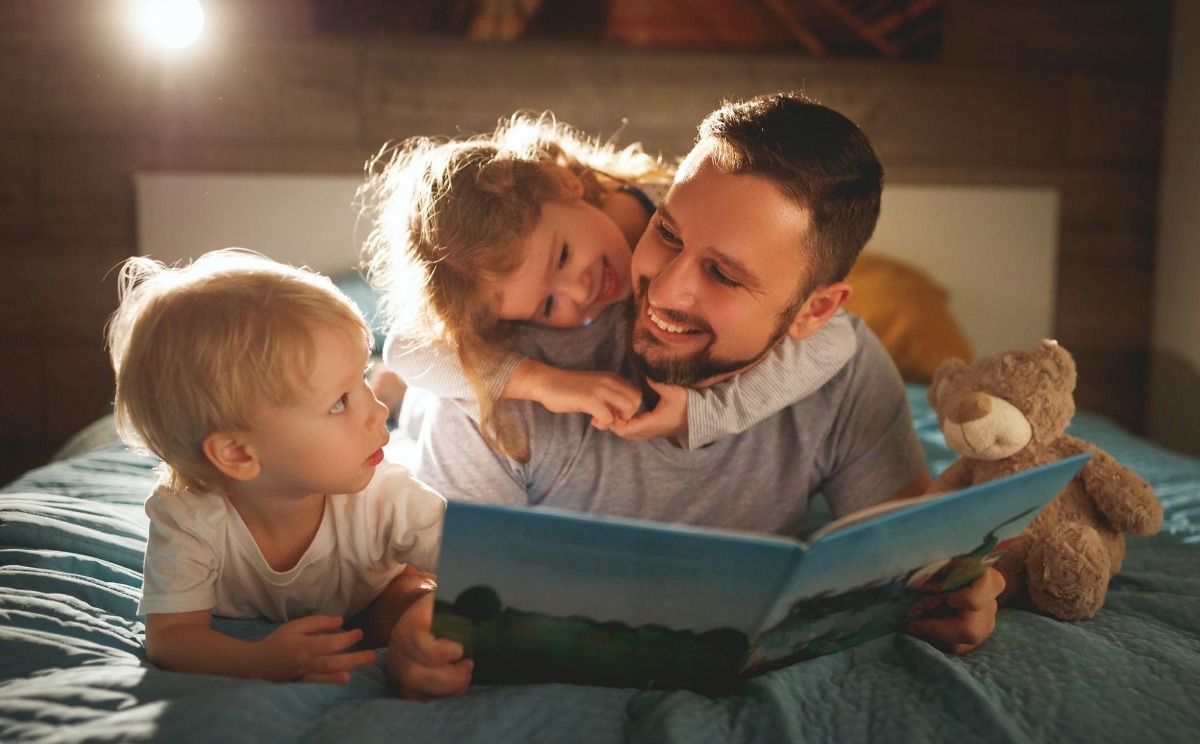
pixel 694 369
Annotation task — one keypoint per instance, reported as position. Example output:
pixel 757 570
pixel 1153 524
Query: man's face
pixel 716 275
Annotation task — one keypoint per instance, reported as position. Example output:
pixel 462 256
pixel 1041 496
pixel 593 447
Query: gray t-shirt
pixel 852 439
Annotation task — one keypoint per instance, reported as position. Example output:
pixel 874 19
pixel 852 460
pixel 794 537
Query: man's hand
pixel 422 666
pixel 310 650
pixel 667 419
pixel 965 619
pixel 604 396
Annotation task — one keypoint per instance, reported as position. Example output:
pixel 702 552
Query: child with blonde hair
pixel 245 377
pixel 478 241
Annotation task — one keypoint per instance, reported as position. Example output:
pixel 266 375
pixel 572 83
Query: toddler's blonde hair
pixel 196 347
pixel 450 218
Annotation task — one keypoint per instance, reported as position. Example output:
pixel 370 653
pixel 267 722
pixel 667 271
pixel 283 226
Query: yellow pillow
pixel 909 313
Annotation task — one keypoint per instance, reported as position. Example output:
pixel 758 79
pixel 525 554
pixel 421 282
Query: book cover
pixel 544 595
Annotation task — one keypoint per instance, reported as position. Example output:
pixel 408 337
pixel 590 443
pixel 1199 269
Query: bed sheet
pixel 72 665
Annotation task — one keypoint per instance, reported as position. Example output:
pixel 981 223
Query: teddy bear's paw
pixel 1068 573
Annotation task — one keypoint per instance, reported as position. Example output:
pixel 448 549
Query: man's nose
pixel 675 284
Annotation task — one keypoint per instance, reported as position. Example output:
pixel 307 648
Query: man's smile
pixel 665 324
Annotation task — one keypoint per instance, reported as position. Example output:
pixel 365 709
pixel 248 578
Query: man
pixel 766 216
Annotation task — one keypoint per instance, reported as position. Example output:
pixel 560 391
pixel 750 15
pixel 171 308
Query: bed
pixel 71 540
pixel 72 534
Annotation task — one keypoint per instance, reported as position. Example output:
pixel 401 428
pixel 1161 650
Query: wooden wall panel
pixel 301 92
pixel 1065 94
pixel 938 116
pixel 1114 120
pixel 83 367
pixel 17 86
pixel 18 204
pixel 1058 35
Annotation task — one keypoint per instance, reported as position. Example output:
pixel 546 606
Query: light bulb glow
pixel 171 23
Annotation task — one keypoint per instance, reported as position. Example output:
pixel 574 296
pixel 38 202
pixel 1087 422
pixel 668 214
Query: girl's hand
pixel 309 650
pixel 604 396
pixel 667 419
pixel 965 619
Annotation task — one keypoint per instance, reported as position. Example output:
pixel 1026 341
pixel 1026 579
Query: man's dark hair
pixel 818 158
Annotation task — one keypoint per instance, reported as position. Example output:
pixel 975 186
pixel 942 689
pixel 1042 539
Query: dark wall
pixel 1066 94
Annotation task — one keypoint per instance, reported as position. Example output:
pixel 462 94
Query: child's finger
pixel 332 643
pixel 344 662
pixel 602 416
pixel 638 427
pixel 426 683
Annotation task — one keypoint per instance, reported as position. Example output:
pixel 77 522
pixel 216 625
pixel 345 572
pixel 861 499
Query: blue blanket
pixel 72 664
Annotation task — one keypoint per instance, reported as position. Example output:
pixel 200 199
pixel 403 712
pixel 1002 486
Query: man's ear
pixel 230 453
pixel 818 307
pixel 567 181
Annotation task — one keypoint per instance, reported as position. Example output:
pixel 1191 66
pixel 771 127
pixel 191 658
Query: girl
pixel 534 224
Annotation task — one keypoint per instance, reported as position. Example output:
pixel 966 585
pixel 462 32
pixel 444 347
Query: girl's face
pixel 576 265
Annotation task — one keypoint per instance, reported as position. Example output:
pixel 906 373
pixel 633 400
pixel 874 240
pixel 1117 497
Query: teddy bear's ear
pixel 1058 362
pixel 946 372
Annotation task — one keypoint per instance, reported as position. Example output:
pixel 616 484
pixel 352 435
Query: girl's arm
pixel 602 395
pixel 309 649
pixel 792 370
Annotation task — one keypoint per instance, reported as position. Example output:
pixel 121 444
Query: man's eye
pixel 722 278
pixel 548 307
pixel 665 233
pixel 562 257
pixel 340 405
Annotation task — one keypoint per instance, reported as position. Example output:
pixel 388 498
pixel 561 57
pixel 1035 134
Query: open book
pixel 541 595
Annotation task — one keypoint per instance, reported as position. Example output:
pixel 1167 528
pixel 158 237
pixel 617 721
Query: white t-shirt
pixel 201 556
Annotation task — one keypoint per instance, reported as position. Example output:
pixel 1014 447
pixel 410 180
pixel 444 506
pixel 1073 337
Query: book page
pixel 870 512
pixel 542 595
pixel 860 578
pixel 567 564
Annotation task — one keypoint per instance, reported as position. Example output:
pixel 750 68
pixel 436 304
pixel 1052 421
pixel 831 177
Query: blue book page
pixel 604 569
pixel 538 596
pixel 859 579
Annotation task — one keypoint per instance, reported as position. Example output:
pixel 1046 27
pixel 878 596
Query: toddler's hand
pixel 422 666
pixel 310 650
pixel 967 617
pixel 667 419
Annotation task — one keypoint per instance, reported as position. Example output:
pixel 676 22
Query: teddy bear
pixel 1009 412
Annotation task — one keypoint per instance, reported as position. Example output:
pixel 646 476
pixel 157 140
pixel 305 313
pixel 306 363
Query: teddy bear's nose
pixel 972 407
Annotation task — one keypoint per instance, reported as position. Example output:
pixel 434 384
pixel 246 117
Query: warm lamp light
pixel 171 23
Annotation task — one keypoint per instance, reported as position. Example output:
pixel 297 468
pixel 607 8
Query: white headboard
pixel 303 220
pixel 994 249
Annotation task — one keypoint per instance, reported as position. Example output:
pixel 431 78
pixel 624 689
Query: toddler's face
pixel 331 439
pixel 576 265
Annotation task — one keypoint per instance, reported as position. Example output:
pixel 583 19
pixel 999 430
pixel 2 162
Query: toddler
pixel 245 377
pixel 477 239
